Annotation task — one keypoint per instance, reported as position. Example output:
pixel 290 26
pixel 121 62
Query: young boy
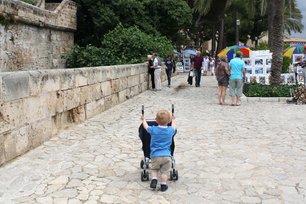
pixel 161 140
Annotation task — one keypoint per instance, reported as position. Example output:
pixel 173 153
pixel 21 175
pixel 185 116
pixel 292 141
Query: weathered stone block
pixel 9 146
pixel 106 88
pixel 40 132
pixel 36 108
pixel 95 107
pixel 81 77
pixel 22 139
pixel 123 83
pixel 90 93
pixel 13 113
pixel 15 86
pixel 124 95
pixel 106 74
pixel 71 98
pixel 78 114
pixel 67 79
pixel 115 85
pixel 50 80
pixel 133 80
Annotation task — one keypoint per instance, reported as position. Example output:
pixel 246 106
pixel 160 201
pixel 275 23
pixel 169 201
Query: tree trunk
pixel 277 42
pixel 221 36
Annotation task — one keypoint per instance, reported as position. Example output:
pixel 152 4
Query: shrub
pixel 120 46
pixel 130 45
pixel 260 90
pixel 88 56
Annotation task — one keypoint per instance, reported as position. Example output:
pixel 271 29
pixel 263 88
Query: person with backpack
pixel 157 72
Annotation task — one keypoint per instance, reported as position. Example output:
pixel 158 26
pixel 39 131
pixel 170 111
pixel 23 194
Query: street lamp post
pixel 237 31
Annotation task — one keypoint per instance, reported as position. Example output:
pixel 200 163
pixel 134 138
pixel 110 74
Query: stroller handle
pixel 172 109
pixel 142 109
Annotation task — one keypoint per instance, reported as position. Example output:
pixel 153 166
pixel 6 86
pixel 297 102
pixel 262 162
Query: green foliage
pixel 260 90
pixel 262 46
pixel 96 18
pixel 286 63
pixel 84 57
pixel 131 45
pixel 29 1
pixel 120 46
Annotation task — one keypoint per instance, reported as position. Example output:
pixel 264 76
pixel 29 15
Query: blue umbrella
pixel 190 52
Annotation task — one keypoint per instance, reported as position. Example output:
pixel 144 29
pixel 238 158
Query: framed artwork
pixel 259 70
pixel 283 79
pixel 268 70
pixel 253 79
pixel 247 61
pixel 290 79
pixel 258 61
pixel 268 62
pixel 248 70
pixel 297 58
pixel 262 79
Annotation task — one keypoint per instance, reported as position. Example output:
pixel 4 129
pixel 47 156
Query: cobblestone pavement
pixel 253 153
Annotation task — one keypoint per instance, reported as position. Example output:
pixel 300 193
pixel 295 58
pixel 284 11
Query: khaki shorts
pixel 161 163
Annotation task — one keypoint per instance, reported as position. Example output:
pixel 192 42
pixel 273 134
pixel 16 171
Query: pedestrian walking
pixel 197 64
pixel 237 66
pixel 161 140
pixel 170 67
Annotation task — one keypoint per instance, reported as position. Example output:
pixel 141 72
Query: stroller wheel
pixel 171 176
pixel 144 176
pixel 174 175
pixel 141 163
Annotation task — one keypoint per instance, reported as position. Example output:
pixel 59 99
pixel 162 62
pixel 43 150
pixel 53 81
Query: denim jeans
pixel 197 74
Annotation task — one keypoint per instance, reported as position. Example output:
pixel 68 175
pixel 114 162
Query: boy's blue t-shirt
pixel 237 66
pixel 161 140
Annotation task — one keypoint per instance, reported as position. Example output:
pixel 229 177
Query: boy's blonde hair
pixel 163 117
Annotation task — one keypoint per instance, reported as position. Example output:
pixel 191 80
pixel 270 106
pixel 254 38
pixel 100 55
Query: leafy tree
pixel 98 17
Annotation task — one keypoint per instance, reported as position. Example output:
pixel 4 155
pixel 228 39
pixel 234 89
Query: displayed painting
pixel 297 58
pixel 248 70
pixel 247 61
pixel 258 62
pixel 259 70
pixel 262 79
pixel 268 62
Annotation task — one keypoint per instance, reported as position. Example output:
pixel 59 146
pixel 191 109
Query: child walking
pixel 161 140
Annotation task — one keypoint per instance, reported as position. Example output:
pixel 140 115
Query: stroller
pixel 145 138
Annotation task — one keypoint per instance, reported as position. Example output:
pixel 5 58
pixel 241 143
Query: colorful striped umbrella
pixel 294 49
pixel 231 50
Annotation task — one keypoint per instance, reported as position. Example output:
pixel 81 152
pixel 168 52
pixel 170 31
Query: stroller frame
pixel 145 138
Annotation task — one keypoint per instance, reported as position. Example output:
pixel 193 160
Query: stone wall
pixel 33 38
pixel 35 105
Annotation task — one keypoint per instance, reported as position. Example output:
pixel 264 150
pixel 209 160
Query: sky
pixel 302 6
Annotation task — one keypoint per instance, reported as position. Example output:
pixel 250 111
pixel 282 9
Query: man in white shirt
pixel 157 73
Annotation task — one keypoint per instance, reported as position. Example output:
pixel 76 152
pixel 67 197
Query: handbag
pixel 191 74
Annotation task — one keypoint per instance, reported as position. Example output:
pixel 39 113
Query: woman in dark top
pixel 222 72
pixel 151 70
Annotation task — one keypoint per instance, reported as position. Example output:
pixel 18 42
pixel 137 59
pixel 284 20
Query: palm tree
pixel 276 31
